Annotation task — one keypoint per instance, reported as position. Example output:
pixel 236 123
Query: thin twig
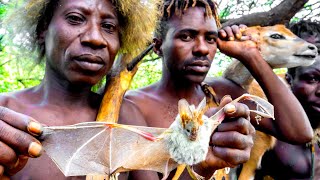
pixel 5 63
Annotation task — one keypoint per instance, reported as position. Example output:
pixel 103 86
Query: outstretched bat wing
pixel 96 148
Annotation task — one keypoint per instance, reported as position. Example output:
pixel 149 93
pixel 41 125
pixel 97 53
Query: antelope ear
pixel 184 109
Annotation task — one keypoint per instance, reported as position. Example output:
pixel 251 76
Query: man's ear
pixel 289 79
pixel 157 46
pixel 42 36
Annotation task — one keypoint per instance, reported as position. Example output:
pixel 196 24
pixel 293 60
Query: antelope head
pixel 281 48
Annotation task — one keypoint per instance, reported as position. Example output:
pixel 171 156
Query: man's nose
pixel 201 47
pixel 93 37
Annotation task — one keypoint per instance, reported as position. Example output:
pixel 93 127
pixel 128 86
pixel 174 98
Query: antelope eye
pixel 277 36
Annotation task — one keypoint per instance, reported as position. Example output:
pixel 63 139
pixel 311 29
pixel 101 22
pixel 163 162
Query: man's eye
pixel 185 37
pixel 75 19
pixel 211 40
pixel 108 27
pixel 312 80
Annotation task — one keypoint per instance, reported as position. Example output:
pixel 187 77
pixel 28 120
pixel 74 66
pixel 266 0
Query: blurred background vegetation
pixel 18 71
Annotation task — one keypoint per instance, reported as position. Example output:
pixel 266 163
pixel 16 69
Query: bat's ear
pixel 184 109
pixel 202 106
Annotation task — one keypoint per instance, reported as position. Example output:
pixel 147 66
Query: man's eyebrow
pixel 215 33
pixel 86 10
pixel 193 31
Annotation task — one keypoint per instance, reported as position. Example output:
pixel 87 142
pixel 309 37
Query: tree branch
pixel 281 14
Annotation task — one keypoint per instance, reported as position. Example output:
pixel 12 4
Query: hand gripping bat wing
pixel 109 148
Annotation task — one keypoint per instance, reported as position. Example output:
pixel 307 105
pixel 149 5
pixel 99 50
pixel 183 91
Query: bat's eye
pixel 188 130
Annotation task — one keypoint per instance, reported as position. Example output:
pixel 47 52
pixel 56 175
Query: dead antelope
pixel 281 49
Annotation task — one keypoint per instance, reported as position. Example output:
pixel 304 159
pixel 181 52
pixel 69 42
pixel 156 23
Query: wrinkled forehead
pixel 193 18
pixel 311 37
pixel 103 6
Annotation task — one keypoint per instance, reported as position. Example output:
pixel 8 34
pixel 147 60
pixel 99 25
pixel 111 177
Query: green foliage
pixel 225 12
pixel 149 72
pixel 18 72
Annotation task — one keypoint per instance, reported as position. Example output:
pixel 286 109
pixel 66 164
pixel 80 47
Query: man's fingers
pixel 22 161
pixel 234 157
pixel 235 110
pixel 236 31
pixel 240 125
pixel 242 27
pixel 232 139
pixel 8 157
pixel 225 100
pixel 19 140
pixel 20 121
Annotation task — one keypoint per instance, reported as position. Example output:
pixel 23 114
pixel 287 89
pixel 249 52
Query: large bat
pixel 108 148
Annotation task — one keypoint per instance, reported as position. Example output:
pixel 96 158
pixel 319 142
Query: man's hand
pixel 232 142
pixel 17 141
pixel 232 43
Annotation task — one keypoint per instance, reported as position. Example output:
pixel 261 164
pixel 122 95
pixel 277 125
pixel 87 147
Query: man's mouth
pixel 316 106
pixel 89 62
pixel 199 66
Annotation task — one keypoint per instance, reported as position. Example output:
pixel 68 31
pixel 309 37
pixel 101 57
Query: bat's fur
pixel 182 149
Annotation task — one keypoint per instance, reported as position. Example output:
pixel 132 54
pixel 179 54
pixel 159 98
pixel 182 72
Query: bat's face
pixel 191 130
pixel 191 118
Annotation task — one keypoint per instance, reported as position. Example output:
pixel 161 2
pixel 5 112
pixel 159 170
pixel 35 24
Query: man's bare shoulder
pixel 223 86
pixel 14 100
pixel 141 95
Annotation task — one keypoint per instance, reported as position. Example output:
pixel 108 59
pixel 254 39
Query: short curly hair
pixel 303 26
pixel 178 7
pixel 137 22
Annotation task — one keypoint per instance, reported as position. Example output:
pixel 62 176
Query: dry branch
pixel 281 14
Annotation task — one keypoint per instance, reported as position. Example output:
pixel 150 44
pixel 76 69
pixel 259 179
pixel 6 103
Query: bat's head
pixel 191 117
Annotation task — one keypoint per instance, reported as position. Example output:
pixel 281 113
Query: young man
pixel 187 40
pixel 79 40
pixel 300 161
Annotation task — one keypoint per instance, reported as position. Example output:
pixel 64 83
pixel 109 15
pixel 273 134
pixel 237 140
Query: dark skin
pixel 81 43
pixel 295 160
pixel 181 78
pixel 187 51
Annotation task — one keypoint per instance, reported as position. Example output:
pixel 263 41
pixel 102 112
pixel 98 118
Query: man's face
pixel 306 87
pixel 82 40
pixel 312 37
pixel 190 45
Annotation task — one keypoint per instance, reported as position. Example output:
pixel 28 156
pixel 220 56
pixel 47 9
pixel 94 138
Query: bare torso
pixel 288 161
pixel 159 109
